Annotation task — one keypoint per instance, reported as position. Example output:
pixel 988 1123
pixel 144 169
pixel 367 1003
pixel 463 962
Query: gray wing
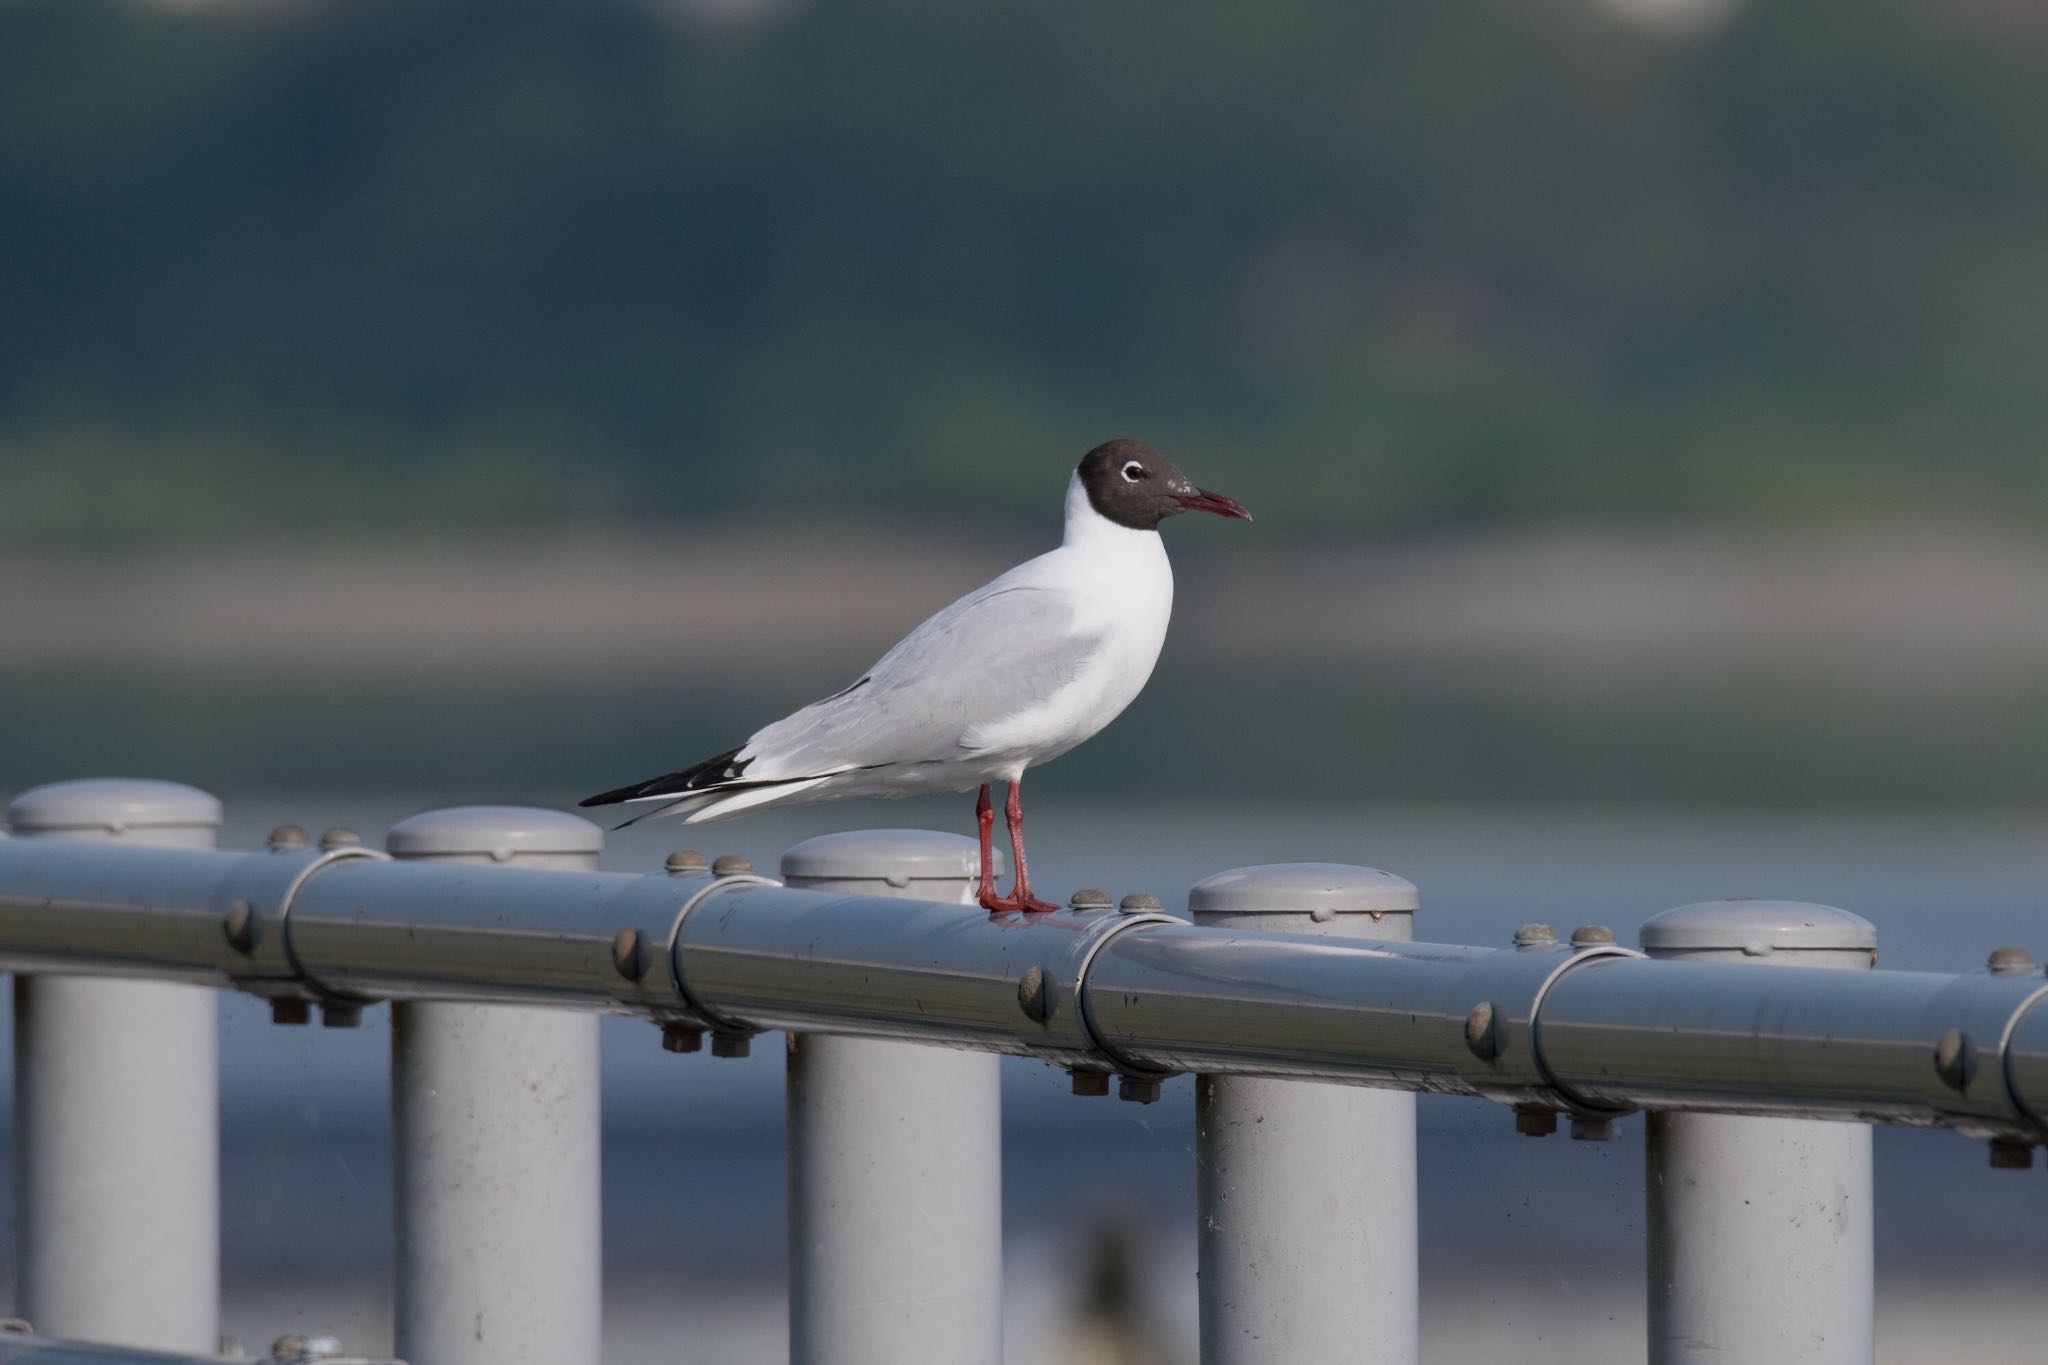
pixel 987 657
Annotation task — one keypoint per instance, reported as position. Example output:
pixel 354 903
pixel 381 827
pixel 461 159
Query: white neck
pixel 1089 529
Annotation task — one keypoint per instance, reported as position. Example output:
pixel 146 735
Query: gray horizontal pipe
pixel 1595 1031
pixel 16 1349
pixel 832 963
pixel 1388 1012
pixel 114 909
pixel 1789 1041
pixel 407 930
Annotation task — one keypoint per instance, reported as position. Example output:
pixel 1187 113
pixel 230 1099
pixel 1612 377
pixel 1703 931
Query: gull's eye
pixel 1133 472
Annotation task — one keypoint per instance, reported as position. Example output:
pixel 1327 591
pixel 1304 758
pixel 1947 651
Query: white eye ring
pixel 1133 472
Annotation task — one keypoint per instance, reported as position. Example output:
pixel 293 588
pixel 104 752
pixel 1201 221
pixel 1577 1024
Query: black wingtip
pixel 712 772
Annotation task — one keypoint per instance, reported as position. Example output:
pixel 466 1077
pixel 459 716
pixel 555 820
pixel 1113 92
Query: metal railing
pixel 1761 1058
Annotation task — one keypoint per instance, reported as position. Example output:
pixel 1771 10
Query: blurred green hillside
pixel 380 268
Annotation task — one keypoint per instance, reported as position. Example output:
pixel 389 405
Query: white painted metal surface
pixel 495 1131
pixel 1306 1192
pixel 1760 1229
pixel 895 1152
pixel 117 1112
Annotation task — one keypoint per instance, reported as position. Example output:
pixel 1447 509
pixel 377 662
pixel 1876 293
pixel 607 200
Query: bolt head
pixel 1534 1120
pixel 1138 902
pixel 1955 1059
pixel 341 1016
pixel 731 865
pixel 1087 1082
pixel 1592 935
pixel 681 1038
pixel 340 838
pixel 1483 1032
pixel 239 926
pixel 2010 960
pixel 1535 935
pixel 731 1044
pixel 687 862
pixel 1137 1089
pixel 1032 996
pixel 628 956
pixel 288 839
pixel 291 1012
pixel 1091 898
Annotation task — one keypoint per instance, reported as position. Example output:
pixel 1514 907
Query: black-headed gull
pixel 1010 676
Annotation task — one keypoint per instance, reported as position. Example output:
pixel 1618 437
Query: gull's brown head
pixel 1134 485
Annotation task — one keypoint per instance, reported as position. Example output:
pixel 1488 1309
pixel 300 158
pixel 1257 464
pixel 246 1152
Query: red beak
pixel 1202 500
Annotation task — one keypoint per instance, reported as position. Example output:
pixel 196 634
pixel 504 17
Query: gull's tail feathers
pixel 710 790
pixel 736 799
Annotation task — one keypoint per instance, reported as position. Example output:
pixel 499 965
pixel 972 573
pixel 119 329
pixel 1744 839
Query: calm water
pixel 1530 1247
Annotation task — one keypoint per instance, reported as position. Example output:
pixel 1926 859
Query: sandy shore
pixel 1942 608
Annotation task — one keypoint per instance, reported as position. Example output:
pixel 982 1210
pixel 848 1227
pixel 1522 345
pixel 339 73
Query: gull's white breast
pixel 1119 587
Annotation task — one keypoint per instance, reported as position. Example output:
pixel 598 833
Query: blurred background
pixel 1641 400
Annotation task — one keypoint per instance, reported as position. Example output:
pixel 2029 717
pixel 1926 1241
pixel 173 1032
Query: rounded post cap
pixel 1301 889
pixel 114 804
pixel 1757 928
pixel 500 833
pixel 896 856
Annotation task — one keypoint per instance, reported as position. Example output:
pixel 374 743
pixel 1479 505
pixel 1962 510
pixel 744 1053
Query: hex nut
pixel 1137 1089
pixel 1089 1082
pixel 288 839
pixel 1483 1032
pixel 341 1016
pixel 629 956
pixel 1955 1060
pixel 687 862
pixel 1033 997
pixel 1535 935
pixel 681 1038
pixel 731 1044
pixel 731 865
pixel 291 1012
pixel 2010 1154
pixel 1535 1120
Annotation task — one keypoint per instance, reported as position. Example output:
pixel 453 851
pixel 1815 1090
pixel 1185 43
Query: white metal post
pixel 1306 1192
pixel 895 1153
pixel 117 1112
pixel 495 1129
pixel 1760 1241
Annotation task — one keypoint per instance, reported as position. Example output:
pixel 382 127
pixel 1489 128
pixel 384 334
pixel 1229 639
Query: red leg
pixel 1013 816
pixel 985 816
